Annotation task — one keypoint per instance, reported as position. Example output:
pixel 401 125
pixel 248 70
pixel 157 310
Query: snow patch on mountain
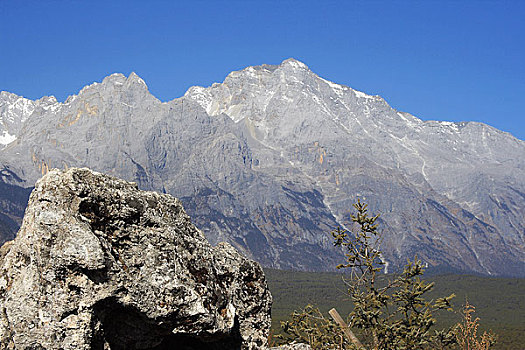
pixel 133 77
pixel 87 88
pixel 200 95
pixel 6 138
pixel 338 89
pixel 360 94
pixel 18 108
pixel 294 63
pixel 450 125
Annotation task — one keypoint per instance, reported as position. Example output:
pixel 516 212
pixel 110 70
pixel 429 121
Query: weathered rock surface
pixel 293 346
pixel 99 264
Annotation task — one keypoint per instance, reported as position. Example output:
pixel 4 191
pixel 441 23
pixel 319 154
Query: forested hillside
pixel 499 302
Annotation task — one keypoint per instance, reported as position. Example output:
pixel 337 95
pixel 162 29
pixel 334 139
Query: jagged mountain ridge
pixel 272 158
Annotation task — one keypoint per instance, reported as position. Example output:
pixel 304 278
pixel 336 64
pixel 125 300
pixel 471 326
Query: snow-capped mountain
pixel 271 160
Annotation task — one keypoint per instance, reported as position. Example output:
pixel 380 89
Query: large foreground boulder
pixel 99 264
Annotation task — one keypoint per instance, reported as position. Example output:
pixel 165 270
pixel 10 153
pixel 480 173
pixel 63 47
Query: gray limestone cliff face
pixel 99 264
pixel 271 160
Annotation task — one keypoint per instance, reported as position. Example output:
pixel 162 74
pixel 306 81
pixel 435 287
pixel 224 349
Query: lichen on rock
pixel 99 264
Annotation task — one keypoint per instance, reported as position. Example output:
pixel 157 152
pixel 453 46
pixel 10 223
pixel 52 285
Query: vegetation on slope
pixel 500 302
pixel 388 312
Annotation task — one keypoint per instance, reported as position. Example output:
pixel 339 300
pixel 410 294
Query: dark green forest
pixel 499 302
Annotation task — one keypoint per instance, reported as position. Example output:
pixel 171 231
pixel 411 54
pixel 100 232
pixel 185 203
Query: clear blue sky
pixel 455 60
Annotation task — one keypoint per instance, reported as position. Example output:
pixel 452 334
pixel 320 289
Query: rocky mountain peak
pixel 263 96
pixel 133 78
pixel 7 96
pixel 116 82
pixel 47 100
pixel 275 157
pixel 115 79
pixel 14 111
pixel 120 79
pixel 294 64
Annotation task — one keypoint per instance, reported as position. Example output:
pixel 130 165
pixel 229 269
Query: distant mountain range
pixel 272 159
